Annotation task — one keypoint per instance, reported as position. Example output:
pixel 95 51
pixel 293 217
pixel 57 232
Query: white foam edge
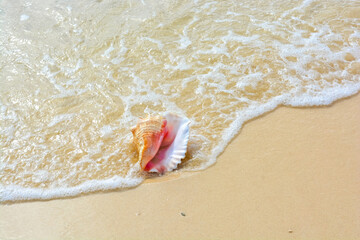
pixel 325 97
pixel 18 193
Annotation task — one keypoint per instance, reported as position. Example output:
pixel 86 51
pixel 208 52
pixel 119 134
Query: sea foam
pixel 72 87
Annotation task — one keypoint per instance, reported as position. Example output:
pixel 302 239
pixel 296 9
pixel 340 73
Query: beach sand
pixel 291 174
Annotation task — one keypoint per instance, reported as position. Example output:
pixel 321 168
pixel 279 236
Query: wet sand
pixel 291 174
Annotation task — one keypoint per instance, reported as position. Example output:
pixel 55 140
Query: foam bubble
pixel 106 131
pixel 18 193
pixel 24 17
pixel 184 42
pixel 59 118
pixel 108 51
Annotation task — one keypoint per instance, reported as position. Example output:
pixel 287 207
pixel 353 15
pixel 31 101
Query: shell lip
pixel 170 155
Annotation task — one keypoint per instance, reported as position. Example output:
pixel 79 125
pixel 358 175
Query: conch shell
pixel 161 141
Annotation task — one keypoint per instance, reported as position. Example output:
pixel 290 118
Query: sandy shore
pixel 291 174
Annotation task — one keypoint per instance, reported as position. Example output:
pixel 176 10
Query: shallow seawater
pixel 76 75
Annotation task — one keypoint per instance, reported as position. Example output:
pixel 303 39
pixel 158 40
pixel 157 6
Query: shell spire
pixel 148 135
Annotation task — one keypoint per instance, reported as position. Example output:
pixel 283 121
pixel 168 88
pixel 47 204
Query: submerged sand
pixel 291 174
pixel 75 75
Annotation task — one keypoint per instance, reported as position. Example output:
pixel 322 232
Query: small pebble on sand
pixel 183 214
pixel 290 231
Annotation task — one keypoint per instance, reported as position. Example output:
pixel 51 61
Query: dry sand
pixel 291 174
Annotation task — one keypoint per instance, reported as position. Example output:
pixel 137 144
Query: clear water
pixel 76 75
